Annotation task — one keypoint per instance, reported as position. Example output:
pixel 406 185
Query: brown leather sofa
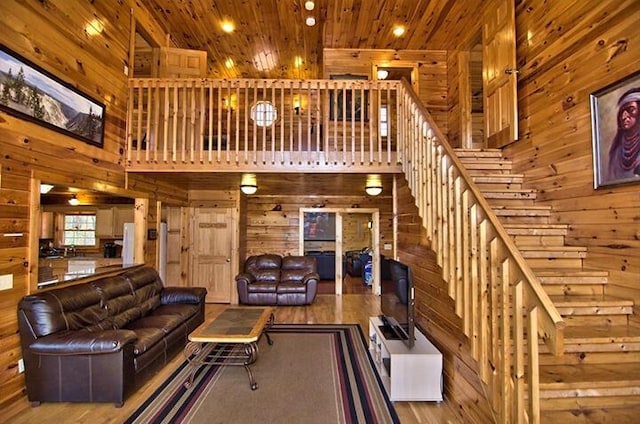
pixel 275 280
pixel 99 341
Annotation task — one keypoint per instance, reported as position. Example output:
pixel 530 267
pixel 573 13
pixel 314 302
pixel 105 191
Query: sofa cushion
pixel 183 310
pixel 68 308
pixel 292 287
pixel 166 323
pixel 261 288
pixel 147 287
pixel 147 338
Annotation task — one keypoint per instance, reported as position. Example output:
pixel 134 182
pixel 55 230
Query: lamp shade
pixel 74 200
pixel 373 190
pixel 248 188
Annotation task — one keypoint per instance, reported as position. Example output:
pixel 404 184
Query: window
pixel 384 121
pixel 264 114
pixel 79 230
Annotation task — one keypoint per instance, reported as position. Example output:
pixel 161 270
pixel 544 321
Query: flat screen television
pixel 319 226
pixel 397 300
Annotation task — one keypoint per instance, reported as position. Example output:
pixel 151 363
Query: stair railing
pixel 499 299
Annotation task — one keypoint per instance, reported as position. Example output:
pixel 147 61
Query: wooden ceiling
pixel 270 34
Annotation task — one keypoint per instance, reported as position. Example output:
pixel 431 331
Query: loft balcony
pixel 247 125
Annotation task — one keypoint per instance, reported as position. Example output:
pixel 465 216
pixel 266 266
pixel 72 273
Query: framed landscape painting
pixel 615 127
pixel 31 93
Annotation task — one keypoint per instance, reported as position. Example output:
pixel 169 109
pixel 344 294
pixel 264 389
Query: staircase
pixel 598 377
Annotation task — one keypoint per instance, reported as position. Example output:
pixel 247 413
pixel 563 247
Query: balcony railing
pixel 360 126
pixel 263 124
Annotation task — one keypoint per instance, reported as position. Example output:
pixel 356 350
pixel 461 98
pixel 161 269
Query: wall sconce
pixel 309 5
pixel 296 105
pixel 310 21
pixel 248 188
pixel 45 188
pixel 373 190
pixel 74 200
pixel 382 74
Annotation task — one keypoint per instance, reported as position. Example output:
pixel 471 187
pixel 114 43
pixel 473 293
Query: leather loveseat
pixel 98 341
pixel 275 280
pixel 326 263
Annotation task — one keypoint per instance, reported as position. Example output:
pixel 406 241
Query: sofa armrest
pixel 82 342
pixel 245 278
pixel 193 295
pixel 312 276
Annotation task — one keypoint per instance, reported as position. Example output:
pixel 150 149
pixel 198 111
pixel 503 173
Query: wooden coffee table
pixel 231 338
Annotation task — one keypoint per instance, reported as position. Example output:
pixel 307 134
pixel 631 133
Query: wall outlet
pixel 20 365
pixel 126 70
pixel 387 246
pixel 6 282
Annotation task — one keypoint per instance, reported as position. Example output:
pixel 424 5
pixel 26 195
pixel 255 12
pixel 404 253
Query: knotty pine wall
pixel 431 64
pixel 436 316
pixel 52 35
pixel 277 231
pixel 565 52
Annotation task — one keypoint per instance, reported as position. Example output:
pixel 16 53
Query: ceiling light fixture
pixel 382 74
pixel 398 31
pixel 248 188
pixel 373 190
pixel 309 5
pixel 45 188
pixel 311 21
pixel 228 26
pixel 74 200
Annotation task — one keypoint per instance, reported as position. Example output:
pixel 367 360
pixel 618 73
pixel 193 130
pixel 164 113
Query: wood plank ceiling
pixel 270 34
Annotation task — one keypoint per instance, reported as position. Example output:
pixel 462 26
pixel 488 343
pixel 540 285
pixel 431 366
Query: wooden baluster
pixel 151 136
pixel 455 244
pixel 166 123
pixel 518 346
pixel 174 112
pixel 494 325
pixel 473 271
pixel 505 382
pixel 139 122
pixel 282 121
pixel 485 300
pixel 201 115
pixel 227 132
pixel 533 367
pixel 210 122
pixel 273 126
pixel 133 95
pixel 219 123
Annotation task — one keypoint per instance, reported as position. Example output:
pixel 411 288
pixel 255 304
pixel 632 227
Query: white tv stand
pixel 408 374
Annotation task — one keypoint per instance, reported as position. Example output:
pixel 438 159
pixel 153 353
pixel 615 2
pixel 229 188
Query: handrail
pixel 359 126
pixel 486 273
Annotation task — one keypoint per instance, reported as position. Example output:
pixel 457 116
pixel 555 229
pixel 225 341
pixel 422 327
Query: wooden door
pixel 500 74
pixel 169 62
pixel 212 238
pixel 174 270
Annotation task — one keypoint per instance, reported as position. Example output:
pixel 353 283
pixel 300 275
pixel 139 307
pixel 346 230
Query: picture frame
pixel 615 127
pixel 31 93
pixel 360 109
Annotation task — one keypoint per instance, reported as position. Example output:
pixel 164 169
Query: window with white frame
pixel 384 121
pixel 264 114
pixel 80 230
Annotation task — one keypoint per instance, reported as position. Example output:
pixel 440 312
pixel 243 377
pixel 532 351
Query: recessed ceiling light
pixel 298 61
pixel 398 31
pixel 229 63
pixel 311 21
pixel 309 5
pixel 382 74
pixel 228 26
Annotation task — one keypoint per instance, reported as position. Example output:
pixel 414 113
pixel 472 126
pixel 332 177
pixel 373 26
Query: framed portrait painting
pixel 29 92
pixel 615 128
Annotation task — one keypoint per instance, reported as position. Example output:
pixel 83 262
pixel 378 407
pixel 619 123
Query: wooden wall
pixel 431 64
pixel 436 316
pixel 565 52
pixel 275 229
pixel 52 35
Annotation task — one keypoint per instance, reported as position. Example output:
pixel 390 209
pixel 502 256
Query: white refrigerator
pixel 127 243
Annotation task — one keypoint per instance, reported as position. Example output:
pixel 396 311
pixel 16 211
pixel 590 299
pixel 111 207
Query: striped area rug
pixel 311 374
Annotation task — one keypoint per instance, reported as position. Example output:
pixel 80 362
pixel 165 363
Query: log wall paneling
pixel 570 52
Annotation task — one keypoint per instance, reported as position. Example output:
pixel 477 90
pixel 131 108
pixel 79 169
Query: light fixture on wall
pixel 372 190
pixel 248 184
pixel 45 188
pixel 382 74
pixel 310 21
pixel 248 188
pixel 296 105
pixel 74 200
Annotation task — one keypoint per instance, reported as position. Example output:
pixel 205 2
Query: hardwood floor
pixel 355 306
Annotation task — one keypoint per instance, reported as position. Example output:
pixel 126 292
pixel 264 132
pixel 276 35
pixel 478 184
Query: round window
pixel 264 113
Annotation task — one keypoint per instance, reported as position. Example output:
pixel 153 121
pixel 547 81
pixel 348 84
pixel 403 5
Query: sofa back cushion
pixel 68 308
pixel 147 288
pixel 118 300
pixel 294 268
pixel 265 268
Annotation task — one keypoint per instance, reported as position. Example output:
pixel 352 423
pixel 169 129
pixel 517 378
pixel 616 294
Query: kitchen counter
pixel 62 270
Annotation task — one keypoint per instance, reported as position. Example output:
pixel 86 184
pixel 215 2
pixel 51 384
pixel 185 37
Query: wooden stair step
pixel 537 230
pixel 553 251
pixel 580 413
pixel 478 153
pixel 571 276
pixel 592 305
pixel 526 211
pixel 499 179
pixel 589 380
pixel 510 194
pixel 484 167
pixel 617 338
